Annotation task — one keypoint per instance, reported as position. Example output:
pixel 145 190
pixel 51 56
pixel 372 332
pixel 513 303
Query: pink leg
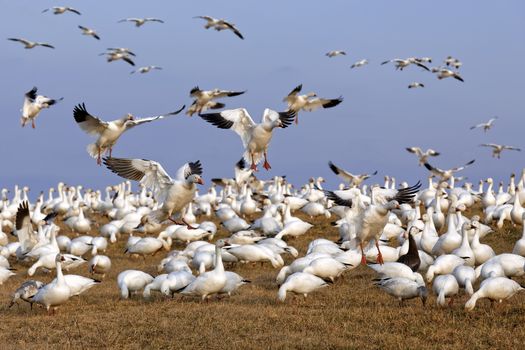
pixel 266 164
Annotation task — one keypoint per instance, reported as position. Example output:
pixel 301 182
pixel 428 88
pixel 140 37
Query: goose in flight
pixel 415 85
pixel 443 73
pixel 497 149
pixel 30 44
pixel 140 21
pixel 89 31
pixel 444 175
pixel 108 132
pixel 123 50
pixel 146 69
pixel 353 180
pixel 33 104
pixel 308 102
pixel 116 55
pixel 486 126
pixel 172 194
pixel 203 100
pixel 453 62
pixel 58 10
pixel 255 137
pixel 403 63
pixel 335 53
pixel 220 24
pixel 422 156
pixel 360 63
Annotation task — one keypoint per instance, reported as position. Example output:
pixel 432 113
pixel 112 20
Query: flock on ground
pixel 413 237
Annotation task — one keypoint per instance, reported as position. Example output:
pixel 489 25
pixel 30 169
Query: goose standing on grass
pixel 172 194
pixel 255 137
pixel 335 53
pixel 33 104
pixel 220 24
pixel 309 102
pixel 497 149
pixel 58 10
pixel 445 175
pixel 145 69
pixel 486 126
pixel 89 31
pixel 359 63
pixel 108 132
pixel 203 99
pixel 140 21
pixel 130 281
pixel 99 264
pixel 402 288
pixel 466 276
pixel 26 291
pixel 30 44
pixel 495 289
pixel 300 283
pixel 55 293
pixel 445 286
pixel 422 156
pixel 353 180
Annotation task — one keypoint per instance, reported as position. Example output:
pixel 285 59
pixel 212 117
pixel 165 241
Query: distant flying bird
pixel 454 62
pixel 140 21
pixel 423 59
pixel 422 156
pixel 308 102
pixel 255 137
pixel 33 104
pixel 403 63
pixel 89 31
pixel 415 85
pixel 443 73
pixel 172 195
pixel 359 63
pixel 30 44
pixel 146 69
pixel 335 53
pixel 58 10
pixel 203 99
pixel 353 180
pixel 123 50
pixel 444 175
pixel 115 56
pixel 497 149
pixel 486 126
pixel 220 24
pixel 108 132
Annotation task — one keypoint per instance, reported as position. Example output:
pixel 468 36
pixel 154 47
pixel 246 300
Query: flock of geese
pixel 411 236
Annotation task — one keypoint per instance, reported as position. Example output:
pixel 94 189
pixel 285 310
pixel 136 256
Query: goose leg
pixel 266 165
pixel 363 258
pixel 253 167
pixel 110 151
pixel 297 119
pixel 99 161
pixel 379 255
pixel 33 123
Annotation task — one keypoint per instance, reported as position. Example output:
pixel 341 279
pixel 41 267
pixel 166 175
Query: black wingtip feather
pixel 80 113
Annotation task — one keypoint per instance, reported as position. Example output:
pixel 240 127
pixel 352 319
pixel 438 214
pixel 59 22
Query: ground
pixel 352 313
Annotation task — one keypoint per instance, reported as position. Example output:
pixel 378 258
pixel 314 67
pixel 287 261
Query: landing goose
pixel 445 175
pixel 146 69
pixel 141 21
pixel 353 180
pixel 33 104
pixel 496 289
pixel 486 126
pixel 30 44
pixel 255 137
pixel 89 31
pixel 422 156
pixel 203 99
pixel 402 288
pixel 308 102
pixel 359 63
pixel 58 10
pixel 497 149
pixel 173 194
pixel 220 24
pixel 335 53
pixel 300 283
pixel 108 132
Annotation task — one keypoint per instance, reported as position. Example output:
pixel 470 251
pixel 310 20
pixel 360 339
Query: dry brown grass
pixel 349 314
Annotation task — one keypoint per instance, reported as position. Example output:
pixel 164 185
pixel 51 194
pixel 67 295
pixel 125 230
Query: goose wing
pixel 239 120
pixel 87 122
pixel 135 122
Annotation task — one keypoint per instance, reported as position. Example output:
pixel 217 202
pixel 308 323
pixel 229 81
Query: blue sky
pixel 285 46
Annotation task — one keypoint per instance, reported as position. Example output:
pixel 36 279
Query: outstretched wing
pixel 512 148
pixel 493 145
pixel 315 103
pixel 415 150
pixel 296 90
pixel 233 29
pixel 463 166
pixel 345 175
pixel 286 117
pixel 135 122
pixel 87 122
pixel 405 195
pixel 24 229
pixel 236 119
pixel 226 93
pixel 343 198
pixel 188 169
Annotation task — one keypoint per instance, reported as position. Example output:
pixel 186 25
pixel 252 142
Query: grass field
pixel 352 313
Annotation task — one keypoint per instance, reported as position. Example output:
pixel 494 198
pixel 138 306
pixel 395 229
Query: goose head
pixel 195 179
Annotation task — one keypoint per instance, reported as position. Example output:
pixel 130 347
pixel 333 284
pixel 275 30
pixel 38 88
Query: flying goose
pixel 335 53
pixel 422 156
pixel 497 149
pixel 220 24
pixel 108 132
pixel 442 73
pixel 308 102
pixel 403 63
pixel 124 50
pixel 454 62
pixel 58 10
pixel 359 63
pixel 146 69
pixel 415 85
pixel 444 175
pixel 119 55
pixel 30 44
pixel 172 194
pixel 203 99
pixel 89 31
pixel 353 180
pixel 255 137
pixel 140 21
pixel 33 104
pixel 486 126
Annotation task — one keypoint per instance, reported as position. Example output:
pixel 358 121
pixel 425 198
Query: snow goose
pixel 146 69
pixel 517 212
pixel 33 104
pixel 79 284
pixel 482 252
pixel 443 265
pixel 486 126
pixel 119 55
pixel 255 137
pixel 335 53
pixel 300 283
pixel 464 250
pixel 30 44
pixel 5 273
pixel 154 285
pixel 326 268
pixel 497 149
pixel 255 253
pixel 298 265
pixel 466 276
pixel 108 132
pixel 429 235
pixel 445 286
pixel 211 282
pixel 395 269
pixel 141 21
pixel 403 63
pixel 55 293
pixel 130 281
pixel 203 99
pixel 176 281
pixel 308 102
pixel 359 63
pixel 353 180
pixel 445 175
pixel 220 24
pixel 233 282
pixel 443 73
pixel 402 288
pixel 454 62
pixel 89 31
pixel 512 265
pixel 422 156
pixel 26 291
pixel 58 10
pixel 100 265
pixel 415 85
pixel 147 245
pixel 496 289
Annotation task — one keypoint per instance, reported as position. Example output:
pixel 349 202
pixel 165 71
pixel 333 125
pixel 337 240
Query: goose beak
pixel 200 181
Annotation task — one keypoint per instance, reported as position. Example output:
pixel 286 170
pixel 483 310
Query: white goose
pixel 309 102
pixel 55 293
pixel 33 104
pixel 482 252
pixel 130 281
pixel 466 276
pixel 141 21
pixel 359 63
pixel 148 245
pixel 445 286
pixel 203 99
pixel 443 265
pixel 486 126
pixel 28 44
pixel 496 289
pixel 353 180
pixel 89 32
pixel 422 156
pixel 497 149
pixel 326 268
pixel 99 264
pixel 300 283
pixel 402 288
pixel 220 24
pixel 58 10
